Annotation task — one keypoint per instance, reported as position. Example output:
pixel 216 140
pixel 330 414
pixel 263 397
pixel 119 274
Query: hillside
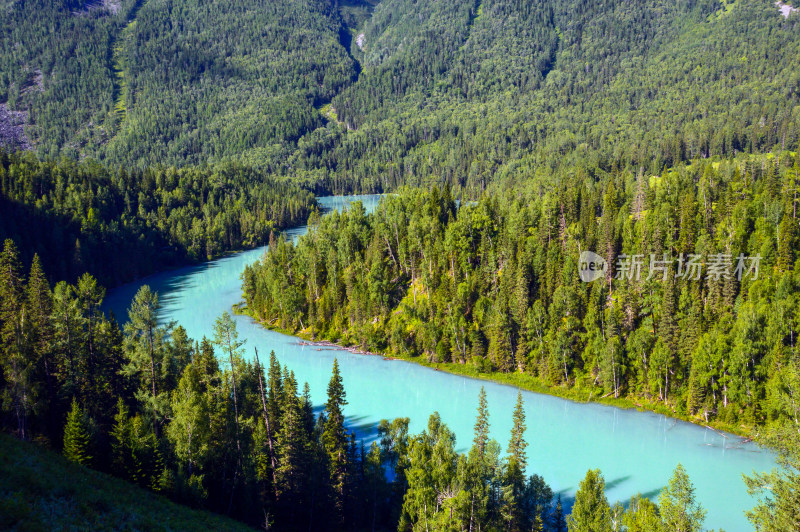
pixel 40 490
pixel 421 91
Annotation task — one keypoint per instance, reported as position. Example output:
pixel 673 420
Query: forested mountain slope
pixel 526 85
pixel 221 79
pixel 192 80
pixel 420 91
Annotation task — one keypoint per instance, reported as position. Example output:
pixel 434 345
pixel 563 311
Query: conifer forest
pixel 595 200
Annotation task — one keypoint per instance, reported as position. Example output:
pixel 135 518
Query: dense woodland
pixel 120 225
pixel 165 132
pixel 495 283
pixel 437 91
pixel 200 423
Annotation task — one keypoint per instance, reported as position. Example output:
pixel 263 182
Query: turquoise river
pixel 636 451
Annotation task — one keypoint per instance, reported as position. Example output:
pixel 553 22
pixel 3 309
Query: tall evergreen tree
pixel 778 492
pixel 188 429
pixel 335 440
pixel 39 302
pixel 482 423
pixel 517 443
pixel 146 351
pixel 125 458
pixel 513 489
pixel 558 523
pixel 680 512
pixel 294 446
pixel 76 436
pixel 14 352
pixel 591 511
pixel 227 338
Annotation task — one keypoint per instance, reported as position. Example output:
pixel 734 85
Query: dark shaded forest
pixel 122 225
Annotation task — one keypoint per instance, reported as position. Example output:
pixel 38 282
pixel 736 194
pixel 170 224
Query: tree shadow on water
pixel 611 484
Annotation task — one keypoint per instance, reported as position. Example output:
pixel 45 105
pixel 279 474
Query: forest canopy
pixel 495 283
pixel 121 225
pixel 373 95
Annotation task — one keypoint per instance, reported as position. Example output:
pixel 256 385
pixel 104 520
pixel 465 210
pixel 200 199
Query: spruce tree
pixel 591 511
pixel 293 443
pixel 482 423
pixel 558 523
pixel 146 348
pixel 513 482
pixel 778 492
pixel 76 437
pixel 125 461
pixel 66 320
pixel 11 293
pixel 680 512
pixel 39 305
pixel 334 438
pixel 274 391
pixel 517 443
pixel 15 360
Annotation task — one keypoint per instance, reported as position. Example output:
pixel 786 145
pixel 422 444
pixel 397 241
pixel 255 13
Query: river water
pixel 636 451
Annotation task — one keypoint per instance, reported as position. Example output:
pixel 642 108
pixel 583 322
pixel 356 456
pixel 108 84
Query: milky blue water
pixel 636 451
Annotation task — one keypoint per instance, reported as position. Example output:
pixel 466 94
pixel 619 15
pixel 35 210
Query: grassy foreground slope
pixel 40 490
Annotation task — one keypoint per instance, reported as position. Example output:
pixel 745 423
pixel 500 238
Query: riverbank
pixel 523 381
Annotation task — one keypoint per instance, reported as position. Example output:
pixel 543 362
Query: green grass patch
pixel 40 490
pixel 119 67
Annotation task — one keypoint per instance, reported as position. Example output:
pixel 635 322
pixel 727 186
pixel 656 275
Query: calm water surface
pixel 636 451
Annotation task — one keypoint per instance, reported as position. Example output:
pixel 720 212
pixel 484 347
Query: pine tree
pixel 39 302
pixel 591 511
pixel 517 443
pixel 145 347
pixel 680 512
pixel 293 443
pixel 76 437
pixel 335 439
pixel 226 336
pixel 558 523
pixel 513 488
pixel 14 356
pixel 482 423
